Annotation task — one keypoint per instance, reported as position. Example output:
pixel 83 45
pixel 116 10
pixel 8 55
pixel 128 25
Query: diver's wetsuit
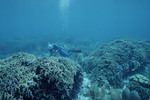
pixel 61 51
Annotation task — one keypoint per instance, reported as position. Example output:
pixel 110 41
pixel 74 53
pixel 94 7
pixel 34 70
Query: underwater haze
pixel 74 49
pixel 99 19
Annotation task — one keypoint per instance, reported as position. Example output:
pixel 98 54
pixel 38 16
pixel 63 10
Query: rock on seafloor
pixel 27 77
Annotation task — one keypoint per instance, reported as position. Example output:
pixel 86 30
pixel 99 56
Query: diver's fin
pixel 76 51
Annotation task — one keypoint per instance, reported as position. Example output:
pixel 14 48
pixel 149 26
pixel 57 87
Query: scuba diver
pixel 65 53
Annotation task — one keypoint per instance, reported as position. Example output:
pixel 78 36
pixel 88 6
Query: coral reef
pixel 6 96
pixel 117 60
pixel 141 84
pixel 110 67
pixel 127 95
pixel 147 71
pixel 97 93
pixel 38 46
pixel 26 77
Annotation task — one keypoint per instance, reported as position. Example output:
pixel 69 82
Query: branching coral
pixel 57 74
pixel 27 77
pixel 117 60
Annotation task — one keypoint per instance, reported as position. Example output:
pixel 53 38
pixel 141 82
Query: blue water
pixel 28 25
pixel 101 19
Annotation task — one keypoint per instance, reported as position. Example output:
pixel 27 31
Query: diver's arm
pixel 56 47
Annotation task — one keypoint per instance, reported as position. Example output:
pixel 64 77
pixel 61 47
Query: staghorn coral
pixel 57 74
pixel 6 96
pixel 26 77
pixel 14 71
